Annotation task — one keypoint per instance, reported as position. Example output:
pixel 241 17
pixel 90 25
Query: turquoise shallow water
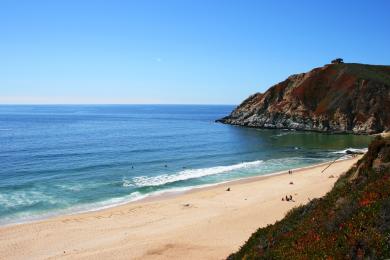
pixel 63 159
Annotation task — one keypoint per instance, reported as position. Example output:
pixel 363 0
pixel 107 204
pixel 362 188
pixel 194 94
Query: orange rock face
pixel 347 97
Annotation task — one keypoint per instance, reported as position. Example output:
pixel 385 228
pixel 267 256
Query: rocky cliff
pixel 346 98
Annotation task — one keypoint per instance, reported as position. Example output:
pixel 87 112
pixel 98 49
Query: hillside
pixel 346 97
pixel 351 222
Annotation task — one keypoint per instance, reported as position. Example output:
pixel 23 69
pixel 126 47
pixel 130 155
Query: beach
pixel 206 223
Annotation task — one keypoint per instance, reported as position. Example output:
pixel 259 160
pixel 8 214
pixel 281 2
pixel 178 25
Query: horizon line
pixel 114 104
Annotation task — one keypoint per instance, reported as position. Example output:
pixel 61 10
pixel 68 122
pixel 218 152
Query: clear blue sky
pixel 209 52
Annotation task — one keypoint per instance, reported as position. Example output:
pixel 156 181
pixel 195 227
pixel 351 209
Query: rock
pixel 354 152
pixel 336 98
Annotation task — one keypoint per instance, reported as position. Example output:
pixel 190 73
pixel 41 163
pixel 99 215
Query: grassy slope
pixel 378 73
pixel 351 222
pixel 351 94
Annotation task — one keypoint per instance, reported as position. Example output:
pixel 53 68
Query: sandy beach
pixel 206 223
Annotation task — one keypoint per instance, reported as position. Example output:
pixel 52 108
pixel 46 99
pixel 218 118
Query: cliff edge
pixel 339 97
pixel 352 221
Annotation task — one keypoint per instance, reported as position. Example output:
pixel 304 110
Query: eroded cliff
pixel 346 97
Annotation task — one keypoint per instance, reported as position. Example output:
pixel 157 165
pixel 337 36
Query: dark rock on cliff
pixel 345 97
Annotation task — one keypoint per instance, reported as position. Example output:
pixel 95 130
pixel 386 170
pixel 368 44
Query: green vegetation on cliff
pixel 351 222
pixel 345 97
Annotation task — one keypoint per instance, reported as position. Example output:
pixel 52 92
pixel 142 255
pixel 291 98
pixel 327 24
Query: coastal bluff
pixel 336 98
pixel 349 222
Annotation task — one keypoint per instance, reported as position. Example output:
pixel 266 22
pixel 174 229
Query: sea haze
pixel 72 158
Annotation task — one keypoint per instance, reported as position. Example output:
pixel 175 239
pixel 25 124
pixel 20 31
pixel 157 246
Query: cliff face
pixel 345 97
pixel 351 222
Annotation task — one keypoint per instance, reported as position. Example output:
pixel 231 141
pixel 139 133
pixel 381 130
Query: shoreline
pixel 170 194
pixel 161 195
pixel 208 222
pixel 342 132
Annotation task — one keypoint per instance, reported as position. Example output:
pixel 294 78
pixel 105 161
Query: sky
pixel 177 52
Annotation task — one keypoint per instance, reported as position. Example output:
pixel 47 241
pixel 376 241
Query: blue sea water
pixel 71 158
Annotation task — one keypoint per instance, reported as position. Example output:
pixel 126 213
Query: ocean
pixel 61 159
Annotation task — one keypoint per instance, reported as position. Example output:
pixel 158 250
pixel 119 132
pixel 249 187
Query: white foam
pixel 127 183
pixel 27 216
pixel 23 198
pixel 143 181
pixel 134 196
pixel 282 134
pixel 363 150
pixel 78 186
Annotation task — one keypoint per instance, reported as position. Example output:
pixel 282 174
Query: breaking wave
pixel 355 150
pixel 143 181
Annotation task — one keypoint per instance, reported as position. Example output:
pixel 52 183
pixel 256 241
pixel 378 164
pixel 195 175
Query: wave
pixel 356 150
pixel 23 199
pixel 281 134
pixel 32 215
pixel 144 181
pixel 31 198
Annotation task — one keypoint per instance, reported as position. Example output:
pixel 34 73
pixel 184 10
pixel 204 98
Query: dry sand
pixel 207 223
